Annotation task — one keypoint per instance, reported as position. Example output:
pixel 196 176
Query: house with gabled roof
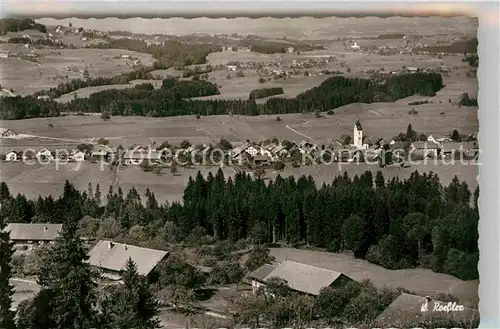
pixel 110 258
pixel 257 276
pixel 7 133
pixel 427 149
pixel 304 278
pixel 13 156
pixel 29 234
pixel 460 149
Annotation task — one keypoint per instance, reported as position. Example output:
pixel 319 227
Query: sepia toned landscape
pixel 323 172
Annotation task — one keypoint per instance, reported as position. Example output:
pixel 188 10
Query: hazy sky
pixel 41 8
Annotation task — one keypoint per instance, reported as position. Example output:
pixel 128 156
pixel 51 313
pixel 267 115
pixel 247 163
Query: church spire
pixel 358 124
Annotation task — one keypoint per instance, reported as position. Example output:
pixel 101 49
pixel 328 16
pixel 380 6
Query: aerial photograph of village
pixel 263 172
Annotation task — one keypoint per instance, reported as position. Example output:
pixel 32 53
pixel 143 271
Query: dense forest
pixel 18 25
pixel 332 93
pixel 265 92
pixel 457 47
pixel 167 54
pixel 396 224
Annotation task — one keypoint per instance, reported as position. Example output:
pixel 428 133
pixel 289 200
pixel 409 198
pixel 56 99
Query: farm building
pixel 77 156
pixel 7 133
pixel 409 310
pixel 23 234
pixel 13 156
pixel 261 160
pixel 237 151
pixel 303 278
pixel 467 149
pixel 110 258
pixel 425 148
pixel 44 97
pixel 231 67
pixel 44 154
pixel 252 150
pixel 257 276
pixel 4 54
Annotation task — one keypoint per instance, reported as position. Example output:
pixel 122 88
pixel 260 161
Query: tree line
pixel 167 54
pixel 396 224
pixel 332 93
pixel 19 25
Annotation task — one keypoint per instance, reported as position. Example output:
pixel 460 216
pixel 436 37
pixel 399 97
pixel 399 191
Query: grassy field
pixel 45 180
pixel 53 66
pixel 421 281
pixel 86 92
pixel 37 179
pixel 301 28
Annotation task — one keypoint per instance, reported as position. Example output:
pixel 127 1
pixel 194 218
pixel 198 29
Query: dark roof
pixel 454 146
pixel 260 273
pixel 425 146
pixel 260 158
pixel 398 145
pixel 33 232
pixel 406 311
pixel 358 125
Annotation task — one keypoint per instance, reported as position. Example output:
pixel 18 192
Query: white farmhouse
pixel 253 151
pixel 77 156
pixel 12 156
pixel 355 46
pixel 7 133
pixel 44 154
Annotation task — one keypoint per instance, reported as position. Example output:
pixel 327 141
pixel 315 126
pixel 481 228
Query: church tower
pixel 358 134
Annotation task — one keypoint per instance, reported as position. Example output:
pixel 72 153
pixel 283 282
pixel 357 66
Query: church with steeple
pixel 358 134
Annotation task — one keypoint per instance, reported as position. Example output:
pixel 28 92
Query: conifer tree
pixel 133 306
pixel 6 289
pixel 67 276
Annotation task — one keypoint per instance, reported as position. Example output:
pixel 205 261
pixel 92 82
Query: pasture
pixel 421 281
pixel 86 92
pixel 48 179
pixel 53 67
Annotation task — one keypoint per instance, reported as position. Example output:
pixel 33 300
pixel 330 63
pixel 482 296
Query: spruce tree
pixel 6 289
pixel 133 306
pixel 70 280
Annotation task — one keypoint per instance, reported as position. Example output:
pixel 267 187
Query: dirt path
pixel 54 138
pixel 298 132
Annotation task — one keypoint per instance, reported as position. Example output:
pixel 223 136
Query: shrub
pixel 331 112
pixel 412 112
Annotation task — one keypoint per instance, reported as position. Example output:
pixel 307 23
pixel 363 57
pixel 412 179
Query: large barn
pixel 300 277
pixel 110 258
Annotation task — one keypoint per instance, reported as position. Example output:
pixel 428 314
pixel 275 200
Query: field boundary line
pixel 298 132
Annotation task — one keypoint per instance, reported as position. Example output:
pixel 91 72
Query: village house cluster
pixel 252 154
